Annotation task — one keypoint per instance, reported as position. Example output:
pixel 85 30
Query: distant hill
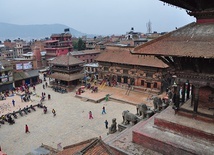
pixel 28 32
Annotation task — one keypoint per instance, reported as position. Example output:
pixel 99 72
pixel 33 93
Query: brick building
pixel 88 56
pixel 6 75
pixel 59 44
pixel 117 64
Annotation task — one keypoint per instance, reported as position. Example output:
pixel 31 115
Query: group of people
pixel 45 85
pixel 103 112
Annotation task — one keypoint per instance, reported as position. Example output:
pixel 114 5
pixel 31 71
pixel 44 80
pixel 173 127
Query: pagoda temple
pixel 186 127
pixel 66 72
pixel 189 50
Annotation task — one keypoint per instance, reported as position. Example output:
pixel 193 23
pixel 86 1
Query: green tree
pixel 75 45
pixel 81 45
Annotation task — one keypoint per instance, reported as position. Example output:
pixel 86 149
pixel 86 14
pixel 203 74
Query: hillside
pixel 27 32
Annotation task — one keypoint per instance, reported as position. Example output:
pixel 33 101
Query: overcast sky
pixel 103 17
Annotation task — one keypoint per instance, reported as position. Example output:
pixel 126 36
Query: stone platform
pixel 168 133
pixel 205 115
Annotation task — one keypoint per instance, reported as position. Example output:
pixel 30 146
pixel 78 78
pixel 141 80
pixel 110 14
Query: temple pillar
pixel 188 90
pixel 177 95
pixel 193 95
pixel 196 99
pixel 183 93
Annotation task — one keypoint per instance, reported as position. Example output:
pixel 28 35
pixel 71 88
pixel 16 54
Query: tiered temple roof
pixel 201 9
pixel 66 60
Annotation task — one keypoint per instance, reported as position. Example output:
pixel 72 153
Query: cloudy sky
pixel 103 17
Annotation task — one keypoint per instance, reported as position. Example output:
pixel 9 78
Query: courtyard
pixel 70 125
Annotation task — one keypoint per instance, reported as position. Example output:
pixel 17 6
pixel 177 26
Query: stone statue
pixel 113 127
pixel 142 109
pixel 157 102
pixel 129 117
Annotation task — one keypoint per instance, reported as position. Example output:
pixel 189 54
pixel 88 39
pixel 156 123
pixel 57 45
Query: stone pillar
pixel 196 99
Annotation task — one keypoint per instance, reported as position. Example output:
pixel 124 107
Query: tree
pixel 81 45
pixel 75 45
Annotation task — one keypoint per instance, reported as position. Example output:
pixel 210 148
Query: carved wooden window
pixel 105 68
pixel 142 82
pixel 125 79
pixel 155 85
pixel 148 85
pixel 125 71
pixel 132 81
pixel 149 74
pixel 133 72
pixel 118 78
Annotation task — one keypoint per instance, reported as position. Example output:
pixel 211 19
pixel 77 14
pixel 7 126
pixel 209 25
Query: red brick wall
pixel 158 145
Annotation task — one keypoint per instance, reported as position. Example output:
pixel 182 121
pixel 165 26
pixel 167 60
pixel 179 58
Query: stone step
pixel 84 99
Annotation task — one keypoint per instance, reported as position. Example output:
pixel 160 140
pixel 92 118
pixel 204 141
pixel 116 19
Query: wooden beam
pixel 162 58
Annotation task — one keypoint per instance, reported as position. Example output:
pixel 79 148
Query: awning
pixel 66 77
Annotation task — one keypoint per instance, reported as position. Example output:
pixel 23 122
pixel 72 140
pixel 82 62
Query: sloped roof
pixel 66 77
pixel 84 52
pixel 191 4
pixel 25 75
pixel 193 40
pixel 123 56
pixel 66 60
pixel 92 146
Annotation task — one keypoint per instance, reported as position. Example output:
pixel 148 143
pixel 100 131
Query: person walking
pixel 34 88
pixel 90 115
pixel 26 129
pixel 54 112
pixel 46 84
pixel 13 102
pixel 43 86
pixel 104 110
pixel 106 124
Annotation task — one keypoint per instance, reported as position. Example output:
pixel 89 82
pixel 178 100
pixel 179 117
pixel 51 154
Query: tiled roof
pixel 25 75
pixel 85 52
pixel 66 60
pixel 123 56
pixel 93 146
pixel 72 149
pixel 193 40
pixel 66 77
